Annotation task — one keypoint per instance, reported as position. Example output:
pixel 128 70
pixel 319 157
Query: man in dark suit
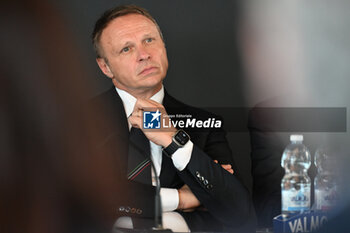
pixel 195 166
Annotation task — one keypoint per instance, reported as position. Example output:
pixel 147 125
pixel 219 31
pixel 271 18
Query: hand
pixel 187 200
pixel 227 167
pixel 162 137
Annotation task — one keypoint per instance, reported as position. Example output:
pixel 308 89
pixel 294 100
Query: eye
pixel 125 50
pixel 149 40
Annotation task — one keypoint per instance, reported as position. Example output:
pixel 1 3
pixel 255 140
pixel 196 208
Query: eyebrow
pixel 147 35
pixel 128 43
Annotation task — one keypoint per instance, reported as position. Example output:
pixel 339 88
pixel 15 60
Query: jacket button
pixel 198 174
pixel 205 182
pixel 209 186
pixel 121 208
pixel 202 178
pixel 133 210
pixel 138 211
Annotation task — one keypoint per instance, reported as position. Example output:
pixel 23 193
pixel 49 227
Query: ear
pixel 104 67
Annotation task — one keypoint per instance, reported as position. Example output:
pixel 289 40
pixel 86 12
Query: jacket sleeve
pixel 221 192
pixel 136 200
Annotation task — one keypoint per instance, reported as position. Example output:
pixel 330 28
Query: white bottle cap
pixel 296 138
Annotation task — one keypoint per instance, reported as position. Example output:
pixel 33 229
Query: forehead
pixel 128 26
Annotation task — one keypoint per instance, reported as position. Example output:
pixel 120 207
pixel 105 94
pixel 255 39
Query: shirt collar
pixel 129 101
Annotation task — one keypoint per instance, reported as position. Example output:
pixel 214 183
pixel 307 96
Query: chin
pixel 153 81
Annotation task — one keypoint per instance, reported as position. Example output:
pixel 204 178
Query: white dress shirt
pixel 169 196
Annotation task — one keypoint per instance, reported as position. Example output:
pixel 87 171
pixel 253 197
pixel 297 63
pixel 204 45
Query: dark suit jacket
pixel 226 200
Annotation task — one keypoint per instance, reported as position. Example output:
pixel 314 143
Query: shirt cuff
pixel 170 199
pixel 182 156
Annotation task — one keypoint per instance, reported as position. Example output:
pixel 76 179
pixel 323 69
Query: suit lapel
pixel 115 110
pixel 137 163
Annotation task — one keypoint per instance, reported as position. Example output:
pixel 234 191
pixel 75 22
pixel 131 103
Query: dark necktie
pixel 139 164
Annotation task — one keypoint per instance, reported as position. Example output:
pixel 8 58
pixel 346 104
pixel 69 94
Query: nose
pixel 143 54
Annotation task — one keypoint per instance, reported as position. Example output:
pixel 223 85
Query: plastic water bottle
pixel 326 185
pixel 296 184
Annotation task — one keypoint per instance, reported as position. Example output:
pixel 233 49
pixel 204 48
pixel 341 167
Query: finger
pixel 135 121
pixel 153 102
pixel 136 113
pixel 226 166
pixel 138 107
pixel 146 103
pixel 230 170
pixel 215 161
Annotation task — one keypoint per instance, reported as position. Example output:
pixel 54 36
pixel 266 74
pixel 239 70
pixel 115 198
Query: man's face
pixel 136 56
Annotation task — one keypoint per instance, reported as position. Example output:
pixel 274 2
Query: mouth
pixel 148 70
